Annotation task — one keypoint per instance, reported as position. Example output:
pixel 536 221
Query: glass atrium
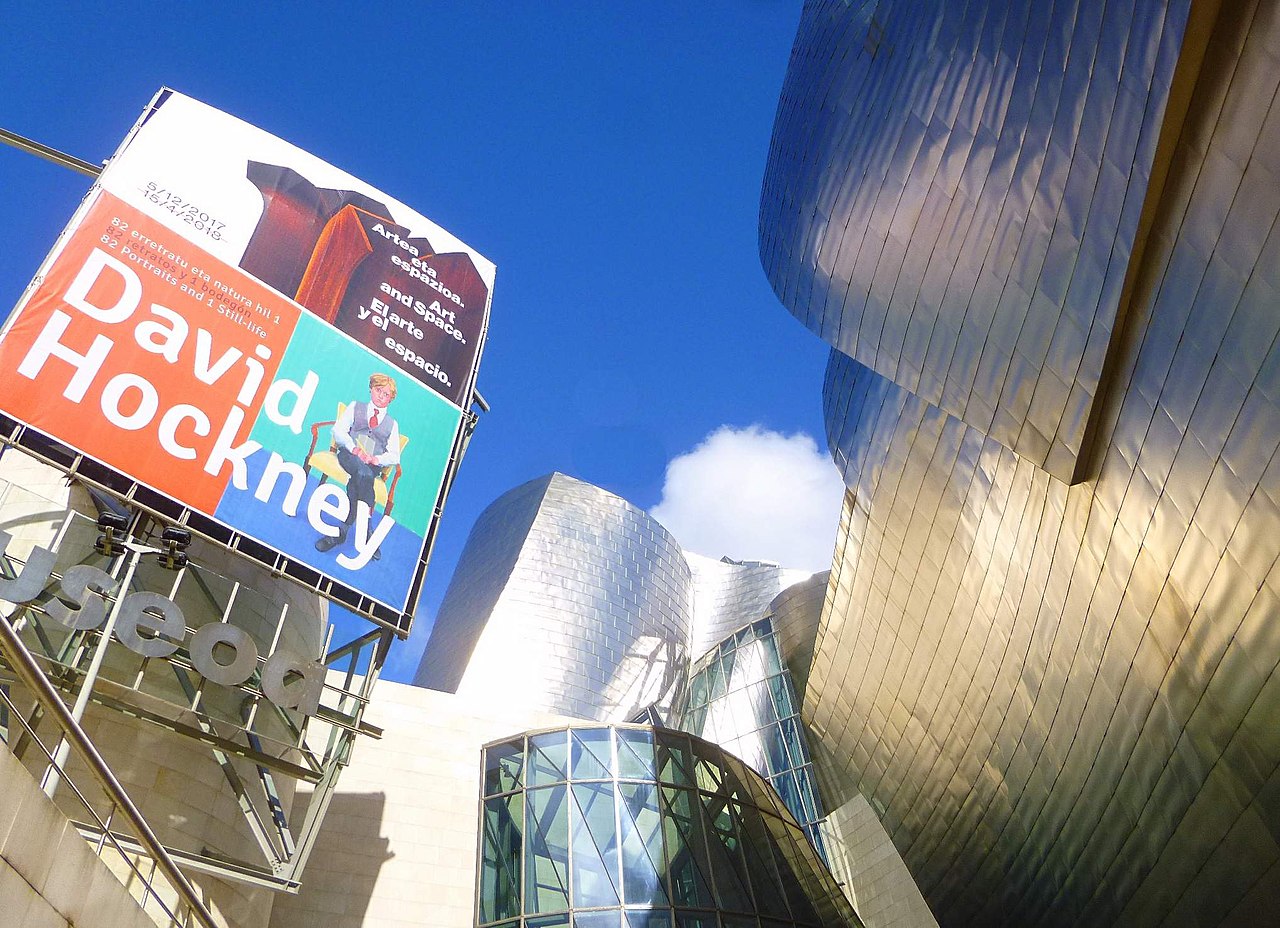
pixel 740 696
pixel 636 827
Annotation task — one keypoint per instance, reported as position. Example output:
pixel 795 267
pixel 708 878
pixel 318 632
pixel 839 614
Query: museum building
pixel 1041 241
pixel 1037 687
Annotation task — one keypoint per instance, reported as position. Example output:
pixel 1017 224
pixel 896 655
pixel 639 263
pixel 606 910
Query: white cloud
pixel 753 494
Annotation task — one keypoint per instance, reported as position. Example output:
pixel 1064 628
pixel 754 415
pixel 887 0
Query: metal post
pixel 49 783
pixel 40 150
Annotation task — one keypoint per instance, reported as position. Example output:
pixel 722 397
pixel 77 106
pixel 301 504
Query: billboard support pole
pixel 40 150
pixel 49 782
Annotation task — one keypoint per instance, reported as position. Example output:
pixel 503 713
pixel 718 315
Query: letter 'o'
pixel 208 637
pixel 113 395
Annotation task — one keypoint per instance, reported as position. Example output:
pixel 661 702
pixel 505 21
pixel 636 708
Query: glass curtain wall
pixel 635 827
pixel 740 696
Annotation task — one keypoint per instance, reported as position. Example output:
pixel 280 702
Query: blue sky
pixel 606 156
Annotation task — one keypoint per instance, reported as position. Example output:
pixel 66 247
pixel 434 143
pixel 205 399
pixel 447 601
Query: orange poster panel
pixel 141 350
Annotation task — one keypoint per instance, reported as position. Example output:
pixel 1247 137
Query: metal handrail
pixel 28 671
pixel 103 833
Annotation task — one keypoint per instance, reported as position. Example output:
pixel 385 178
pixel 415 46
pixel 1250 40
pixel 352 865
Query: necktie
pixel 373 419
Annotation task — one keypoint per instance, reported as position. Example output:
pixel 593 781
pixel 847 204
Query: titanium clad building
pixel 584 824
pixel 585 605
pixel 567 598
pixel 727 594
pixel 954 193
pixel 1043 238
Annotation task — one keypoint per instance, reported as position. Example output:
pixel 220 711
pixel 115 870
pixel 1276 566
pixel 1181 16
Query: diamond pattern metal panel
pixel 1064 700
pixel 954 190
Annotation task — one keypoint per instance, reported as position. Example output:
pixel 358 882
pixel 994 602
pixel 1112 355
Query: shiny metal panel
pixel 728 594
pixel 796 613
pixel 1063 701
pixel 954 190
pixel 569 599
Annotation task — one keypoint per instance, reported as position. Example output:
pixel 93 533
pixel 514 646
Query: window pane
pixel 708 774
pixel 728 870
pixel 548 921
pixel 503 765
pixel 795 743
pixel 761 705
pixel 750 750
pixel 546 861
pixel 785 784
pixel 548 754
pixel 596 919
pixel 686 847
pixel 591 754
pixel 648 919
pixel 782 701
pixel 500 859
pixel 765 885
pixel 674 762
pixel 699 690
pixel 641 845
pixel 775 750
pixel 715 677
pixel 770 648
pixel 805 787
pixel 595 845
pixel 697 721
pixel 635 754
pixel 695 920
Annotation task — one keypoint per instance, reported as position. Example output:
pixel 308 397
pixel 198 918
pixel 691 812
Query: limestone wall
pixel 49 876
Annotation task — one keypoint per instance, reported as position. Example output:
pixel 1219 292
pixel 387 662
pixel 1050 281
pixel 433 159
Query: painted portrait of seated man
pixel 367 440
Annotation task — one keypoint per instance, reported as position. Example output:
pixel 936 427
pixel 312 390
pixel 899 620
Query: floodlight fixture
pixel 112 526
pixel 173 556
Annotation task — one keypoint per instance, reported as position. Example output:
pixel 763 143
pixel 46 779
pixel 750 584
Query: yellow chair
pixel 326 462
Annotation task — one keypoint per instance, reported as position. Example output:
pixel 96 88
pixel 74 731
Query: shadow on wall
pixel 344 866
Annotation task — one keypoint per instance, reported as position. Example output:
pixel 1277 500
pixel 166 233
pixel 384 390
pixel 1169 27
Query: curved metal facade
pixel 954 190
pixel 1062 700
pixel 728 594
pixel 796 612
pixel 569 599
pixel 634 827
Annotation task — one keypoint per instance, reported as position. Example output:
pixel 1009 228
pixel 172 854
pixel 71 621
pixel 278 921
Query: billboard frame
pixel 89 469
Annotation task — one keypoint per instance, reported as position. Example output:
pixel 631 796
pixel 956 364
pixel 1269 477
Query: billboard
pixel 263 339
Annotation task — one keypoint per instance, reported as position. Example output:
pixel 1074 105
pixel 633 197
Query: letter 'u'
pixel 28 584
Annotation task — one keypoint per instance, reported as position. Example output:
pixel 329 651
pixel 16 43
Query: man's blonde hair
pixel 383 380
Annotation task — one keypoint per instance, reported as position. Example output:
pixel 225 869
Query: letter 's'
pixel 74 607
